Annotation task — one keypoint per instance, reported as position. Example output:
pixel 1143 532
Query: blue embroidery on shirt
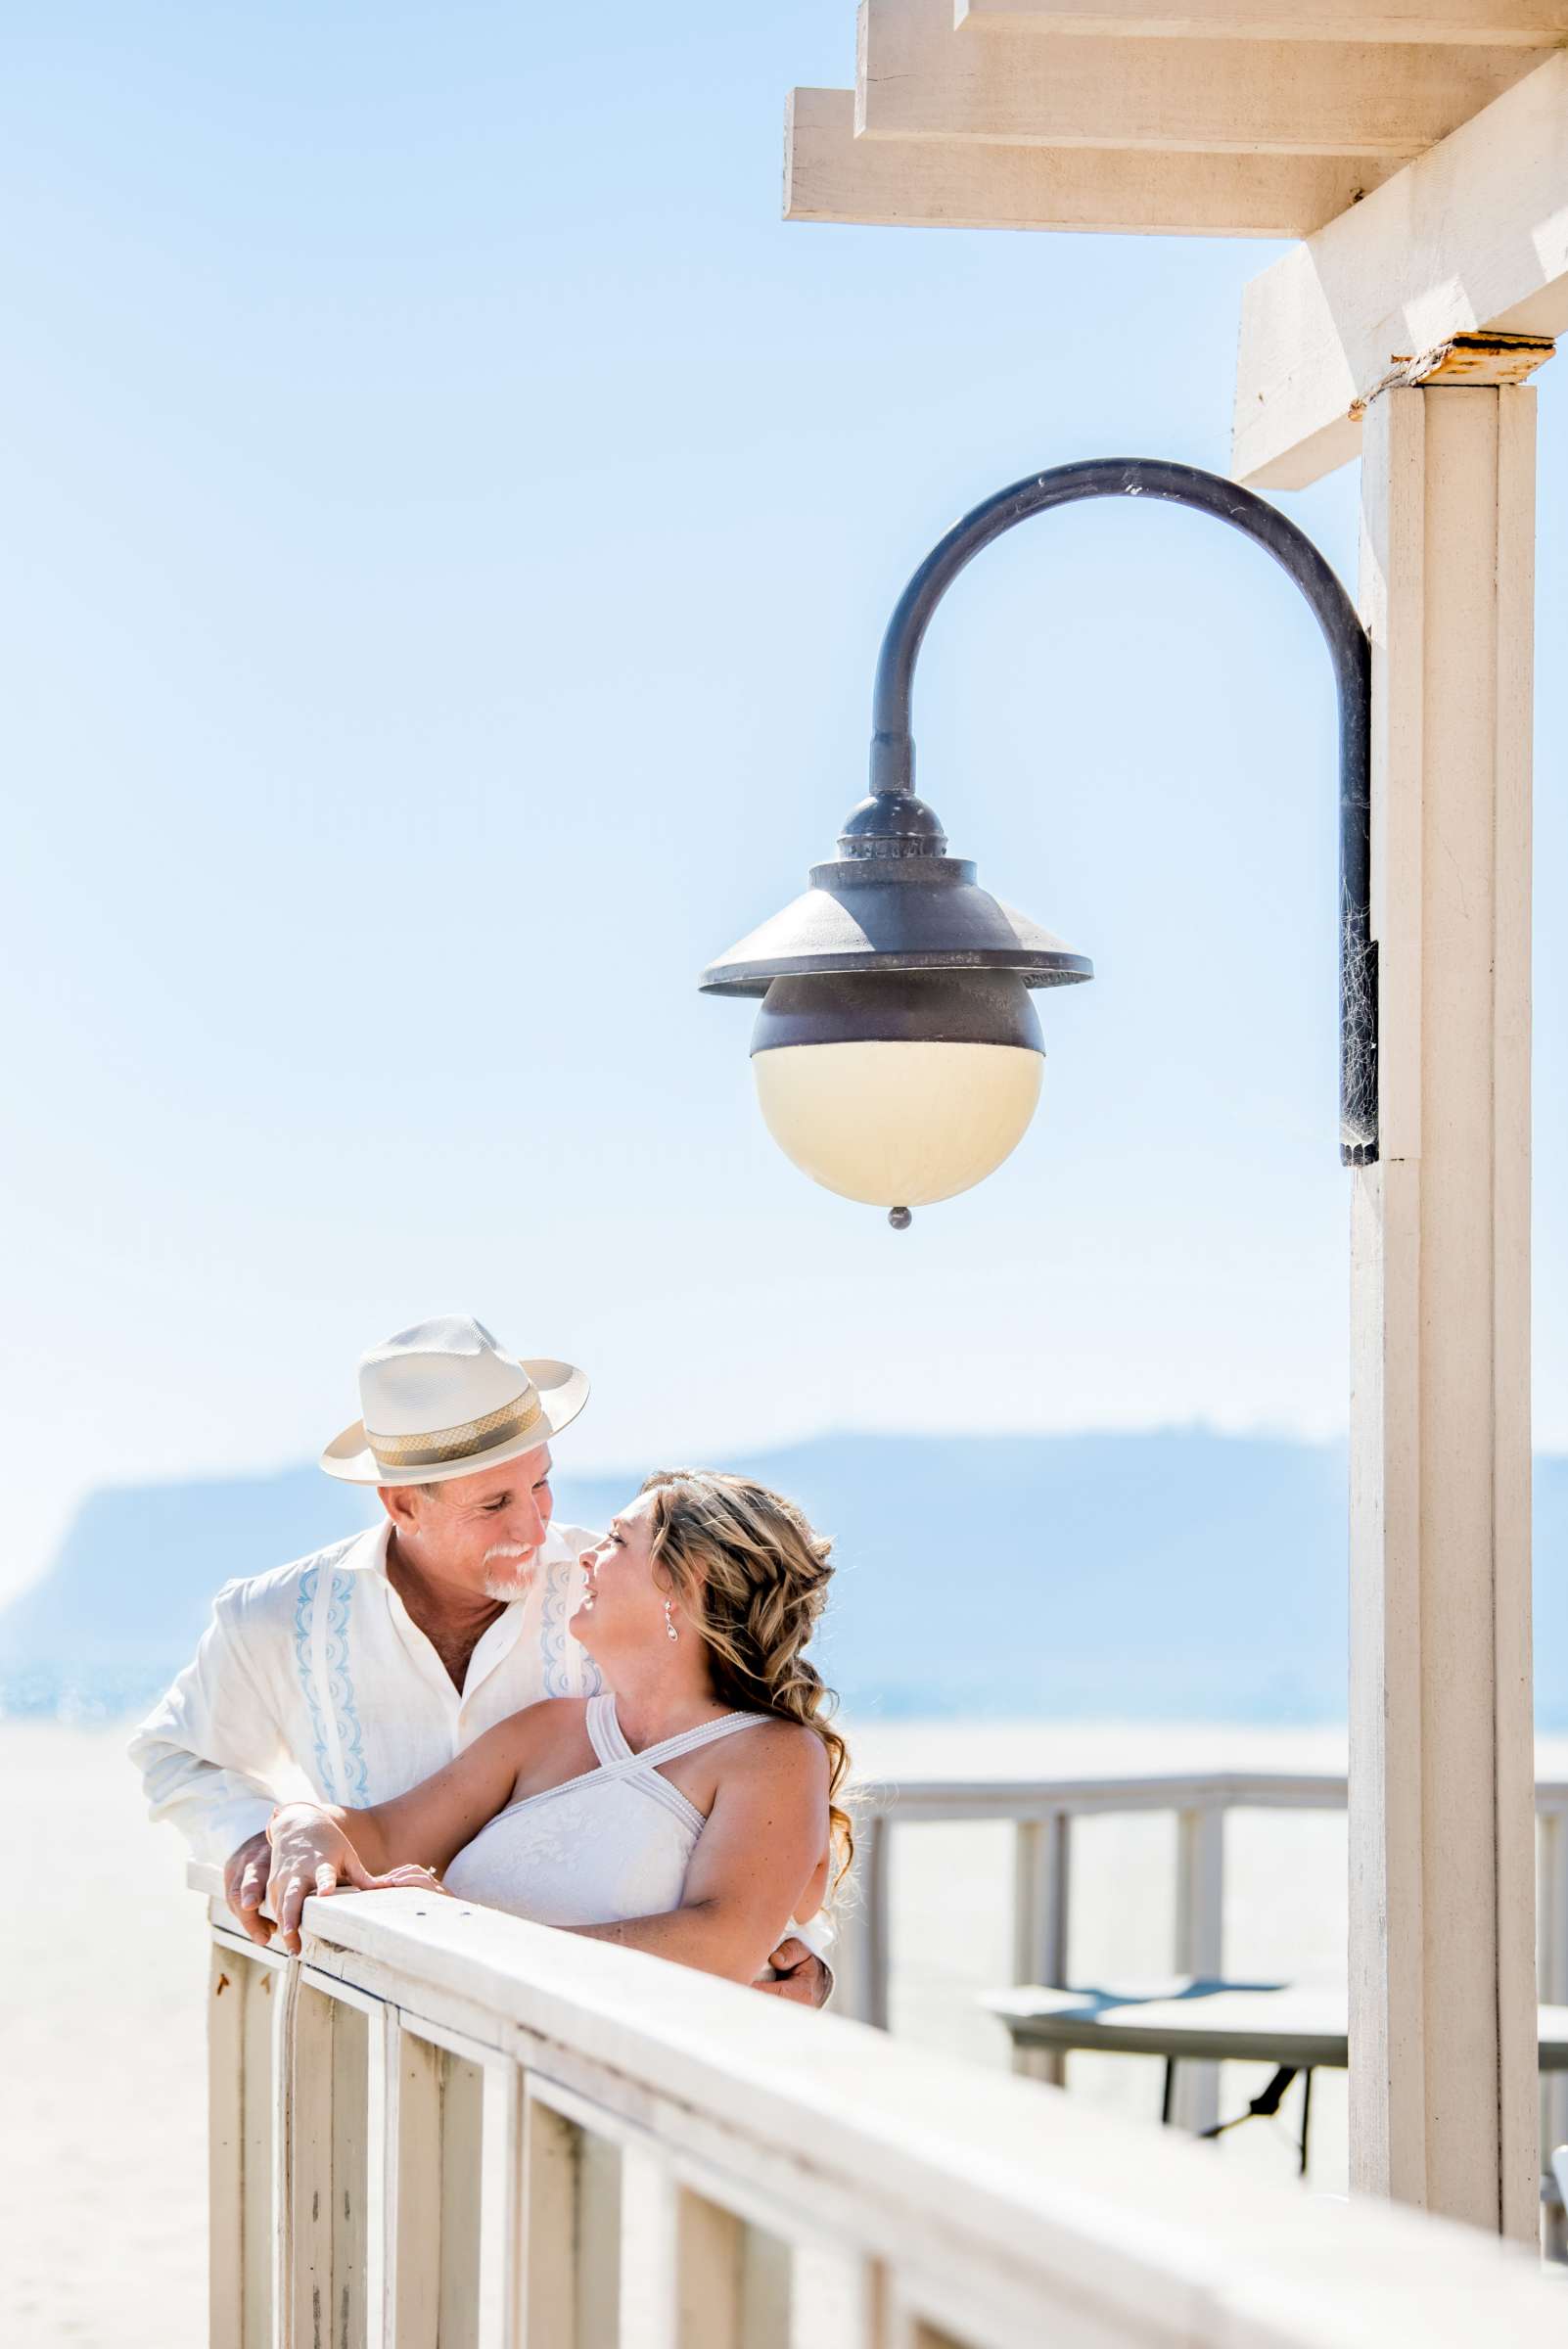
pixel 338 1679
pixel 304 1606
pixel 553 1635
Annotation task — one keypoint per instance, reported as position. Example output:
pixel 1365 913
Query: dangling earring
pixel 669 1621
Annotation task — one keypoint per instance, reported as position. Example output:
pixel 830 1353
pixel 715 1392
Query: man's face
pixel 484 1531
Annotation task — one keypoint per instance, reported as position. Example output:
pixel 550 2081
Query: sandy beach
pixel 103 1967
pixel 103 1977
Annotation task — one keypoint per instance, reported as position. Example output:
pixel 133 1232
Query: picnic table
pixel 1194 2018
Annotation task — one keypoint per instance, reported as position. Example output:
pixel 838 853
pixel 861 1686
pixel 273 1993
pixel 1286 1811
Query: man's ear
pixel 402 1505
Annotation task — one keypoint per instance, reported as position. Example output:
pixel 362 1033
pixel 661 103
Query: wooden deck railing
pixel 1042 1811
pixel 443 2129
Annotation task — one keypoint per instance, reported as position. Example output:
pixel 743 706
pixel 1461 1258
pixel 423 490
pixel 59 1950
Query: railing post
pixel 647 2253
pixel 1041 1889
pixel 571 2225
pixel 862 1955
pixel 435 2161
pixel 1200 1942
pixel 350 2175
pixel 413 2195
pixel 876 1892
pixel 1553 1990
pixel 462 2156
pixel 834 2299
pixel 323 2136
pixel 229 1983
pixel 307 2169
pixel 710 2249
pixel 257 2103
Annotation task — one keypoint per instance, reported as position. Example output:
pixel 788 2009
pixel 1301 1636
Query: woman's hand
pixel 311 1854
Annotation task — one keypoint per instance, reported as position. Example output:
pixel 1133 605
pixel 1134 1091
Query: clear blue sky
pixel 449 523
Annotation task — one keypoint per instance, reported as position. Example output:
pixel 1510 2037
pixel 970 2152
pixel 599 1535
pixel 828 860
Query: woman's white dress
pixel 611 1844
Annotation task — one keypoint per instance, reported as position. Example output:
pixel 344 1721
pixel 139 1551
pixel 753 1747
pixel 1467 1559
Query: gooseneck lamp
pixel 896 1054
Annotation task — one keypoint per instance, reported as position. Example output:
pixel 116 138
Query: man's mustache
pixel 506 1552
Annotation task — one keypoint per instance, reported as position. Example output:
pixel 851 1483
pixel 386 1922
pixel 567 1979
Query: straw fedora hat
pixel 444 1399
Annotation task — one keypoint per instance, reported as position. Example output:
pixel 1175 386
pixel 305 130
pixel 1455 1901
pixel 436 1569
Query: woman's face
pixel 624 1604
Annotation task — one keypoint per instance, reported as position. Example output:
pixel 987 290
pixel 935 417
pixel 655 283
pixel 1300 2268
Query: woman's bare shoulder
pixel 781 1749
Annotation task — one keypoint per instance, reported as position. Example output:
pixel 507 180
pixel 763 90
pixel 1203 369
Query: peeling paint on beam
pixel 1471 240
pixel 1467 359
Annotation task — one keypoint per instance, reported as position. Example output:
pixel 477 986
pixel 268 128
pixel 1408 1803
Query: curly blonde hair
pixel 747 1565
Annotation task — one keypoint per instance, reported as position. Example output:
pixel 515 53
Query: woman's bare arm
pixel 427 1826
pixel 752 1861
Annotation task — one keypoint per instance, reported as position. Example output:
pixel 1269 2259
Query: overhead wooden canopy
pixel 1412 136
pixel 1521 23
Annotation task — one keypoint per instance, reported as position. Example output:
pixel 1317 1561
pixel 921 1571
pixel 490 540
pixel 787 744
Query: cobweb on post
pixel 1358 1012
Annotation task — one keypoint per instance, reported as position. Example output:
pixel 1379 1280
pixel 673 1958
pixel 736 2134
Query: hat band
pixel 469 1439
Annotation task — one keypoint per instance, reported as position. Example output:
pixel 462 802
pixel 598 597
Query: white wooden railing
pixel 1042 1811
pixel 444 2128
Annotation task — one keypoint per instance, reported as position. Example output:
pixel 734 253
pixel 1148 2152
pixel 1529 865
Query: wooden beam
pixel 1482 24
pixel 831 175
pixel 1472 238
pixel 916 79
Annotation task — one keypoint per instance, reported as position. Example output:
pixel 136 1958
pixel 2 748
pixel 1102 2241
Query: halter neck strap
pixel 618 1761
pixel 609 1738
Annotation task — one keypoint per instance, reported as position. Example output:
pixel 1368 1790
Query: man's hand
pixel 244 1883
pixel 801 1976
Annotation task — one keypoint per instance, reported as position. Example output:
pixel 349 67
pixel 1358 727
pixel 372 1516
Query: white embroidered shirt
pixel 315 1680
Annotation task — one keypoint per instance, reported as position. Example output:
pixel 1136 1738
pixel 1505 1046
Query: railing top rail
pixel 1174 1790
pixel 955 1796
pixel 1084 2209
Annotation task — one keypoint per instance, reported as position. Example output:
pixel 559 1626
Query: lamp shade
pixel 896 1054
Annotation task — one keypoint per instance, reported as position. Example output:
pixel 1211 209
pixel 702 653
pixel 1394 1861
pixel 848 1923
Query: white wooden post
pixel 572 2256
pixel 1199 1942
pixel 548 2285
pixel 1042 1888
pixel 648 2233
pixel 307 2172
pixel 709 2253
pixel 876 1898
pixel 860 1952
pixel 413 2194
pixel 462 2155
pixel 1441 1932
pixel 259 2247
pixel 1552 1965
pixel 350 2175
pixel 228 1987
pixel 834 2299
pixel 435 2145
pixel 767 2291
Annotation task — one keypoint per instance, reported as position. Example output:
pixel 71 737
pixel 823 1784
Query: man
pixel 354 1674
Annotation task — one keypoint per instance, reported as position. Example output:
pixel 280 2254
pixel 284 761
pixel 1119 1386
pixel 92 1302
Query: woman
pixel 691 1809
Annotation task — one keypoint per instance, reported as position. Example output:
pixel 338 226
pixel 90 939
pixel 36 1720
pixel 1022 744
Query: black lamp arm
pixel 893 743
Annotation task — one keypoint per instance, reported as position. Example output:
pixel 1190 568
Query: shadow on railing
pixel 441 2128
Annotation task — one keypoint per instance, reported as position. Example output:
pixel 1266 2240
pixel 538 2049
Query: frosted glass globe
pixel 898 1124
